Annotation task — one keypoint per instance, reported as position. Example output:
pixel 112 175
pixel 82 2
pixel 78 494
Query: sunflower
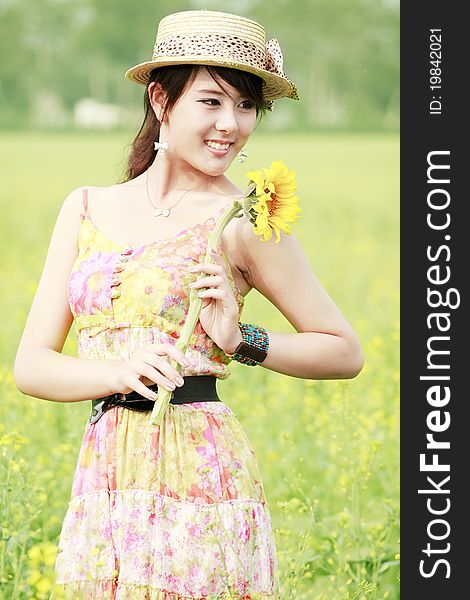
pixel 271 202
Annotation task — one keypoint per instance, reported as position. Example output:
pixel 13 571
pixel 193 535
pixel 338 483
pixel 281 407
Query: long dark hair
pixel 174 80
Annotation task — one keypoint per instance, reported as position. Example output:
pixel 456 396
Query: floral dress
pixel 173 512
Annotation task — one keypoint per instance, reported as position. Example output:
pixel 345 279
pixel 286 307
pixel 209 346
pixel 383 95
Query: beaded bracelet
pixel 254 347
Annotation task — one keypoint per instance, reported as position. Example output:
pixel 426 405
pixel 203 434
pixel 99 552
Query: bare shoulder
pixel 254 254
pixel 73 202
pixel 64 239
pixel 121 198
pixel 68 219
pixel 105 192
pixel 120 187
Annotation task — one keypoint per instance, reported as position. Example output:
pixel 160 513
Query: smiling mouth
pixel 217 145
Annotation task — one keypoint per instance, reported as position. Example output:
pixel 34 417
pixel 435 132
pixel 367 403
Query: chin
pixel 215 171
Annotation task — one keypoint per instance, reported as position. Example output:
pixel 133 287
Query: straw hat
pixel 206 37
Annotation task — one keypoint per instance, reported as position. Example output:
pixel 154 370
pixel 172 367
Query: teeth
pixel 217 146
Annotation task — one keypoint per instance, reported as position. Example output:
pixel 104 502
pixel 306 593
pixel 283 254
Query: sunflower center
pixel 272 204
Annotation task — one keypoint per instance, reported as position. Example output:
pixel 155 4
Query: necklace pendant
pixel 161 212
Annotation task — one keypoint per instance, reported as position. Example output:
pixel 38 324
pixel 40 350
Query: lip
pixel 219 141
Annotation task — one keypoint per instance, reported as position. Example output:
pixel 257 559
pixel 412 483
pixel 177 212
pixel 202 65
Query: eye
pixel 210 100
pixel 248 104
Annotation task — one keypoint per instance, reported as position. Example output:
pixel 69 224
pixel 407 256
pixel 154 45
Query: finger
pixel 216 255
pixel 169 350
pixel 145 368
pixel 136 385
pixel 158 375
pixel 212 281
pixel 215 293
pixel 211 268
pixel 162 366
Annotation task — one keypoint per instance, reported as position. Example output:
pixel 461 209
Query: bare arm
pixel 40 369
pixel 326 346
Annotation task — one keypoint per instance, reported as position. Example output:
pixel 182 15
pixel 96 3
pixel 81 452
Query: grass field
pixel 328 450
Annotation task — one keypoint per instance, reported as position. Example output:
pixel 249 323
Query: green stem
pixel 19 572
pixel 195 305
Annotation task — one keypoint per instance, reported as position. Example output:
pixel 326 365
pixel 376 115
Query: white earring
pixel 242 155
pixel 160 146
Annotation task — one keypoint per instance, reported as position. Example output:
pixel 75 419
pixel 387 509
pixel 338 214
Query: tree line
pixel 343 56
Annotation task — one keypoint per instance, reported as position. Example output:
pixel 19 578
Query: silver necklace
pixel 165 212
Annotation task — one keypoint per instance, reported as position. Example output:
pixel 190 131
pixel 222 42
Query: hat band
pixel 220 46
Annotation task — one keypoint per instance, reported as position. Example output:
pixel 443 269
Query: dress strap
pixel 85 199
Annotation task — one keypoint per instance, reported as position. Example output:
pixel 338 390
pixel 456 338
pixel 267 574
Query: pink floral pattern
pixel 176 512
pixel 88 285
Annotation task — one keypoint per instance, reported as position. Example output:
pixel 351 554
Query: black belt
pixel 196 388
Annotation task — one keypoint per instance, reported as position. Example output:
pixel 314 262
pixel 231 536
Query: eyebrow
pixel 215 92
pixel 210 92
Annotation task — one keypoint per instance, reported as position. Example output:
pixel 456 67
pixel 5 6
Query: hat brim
pixel 274 86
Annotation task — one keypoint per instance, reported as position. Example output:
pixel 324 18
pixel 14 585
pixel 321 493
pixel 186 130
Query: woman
pixel 177 510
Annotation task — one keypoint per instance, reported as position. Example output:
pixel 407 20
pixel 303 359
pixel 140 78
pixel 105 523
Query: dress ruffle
pixel 84 590
pixel 156 543
pixel 171 512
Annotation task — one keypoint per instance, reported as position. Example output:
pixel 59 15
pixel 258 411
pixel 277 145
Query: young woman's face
pixel 207 126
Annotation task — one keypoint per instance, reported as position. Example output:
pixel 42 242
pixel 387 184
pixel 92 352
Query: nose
pixel 227 121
